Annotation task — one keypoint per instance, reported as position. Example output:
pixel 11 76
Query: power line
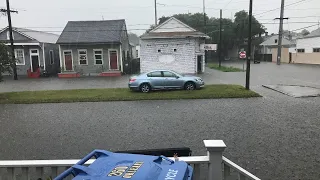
pixel 279 8
pixel 227 4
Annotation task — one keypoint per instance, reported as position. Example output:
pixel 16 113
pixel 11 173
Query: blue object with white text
pixel 116 166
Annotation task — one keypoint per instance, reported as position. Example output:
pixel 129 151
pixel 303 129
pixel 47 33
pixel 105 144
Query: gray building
pixel 34 50
pixel 94 47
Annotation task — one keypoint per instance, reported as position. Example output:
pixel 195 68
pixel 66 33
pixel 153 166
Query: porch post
pixel 60 57
pixel 120 55
pixel 43 57
pixel 215 149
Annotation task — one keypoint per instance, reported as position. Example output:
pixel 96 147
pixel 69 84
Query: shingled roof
pixel 107 31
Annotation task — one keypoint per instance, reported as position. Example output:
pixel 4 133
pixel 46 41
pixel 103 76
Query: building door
pixel 290 57
pixel 199 63
pixel 68 61
pixel 113 57
pixel 34 58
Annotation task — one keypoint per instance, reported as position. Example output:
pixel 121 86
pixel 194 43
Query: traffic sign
pixel 242 55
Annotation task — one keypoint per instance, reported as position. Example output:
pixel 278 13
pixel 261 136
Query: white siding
pixel 308 44
pixel 173 26
pixel 184 58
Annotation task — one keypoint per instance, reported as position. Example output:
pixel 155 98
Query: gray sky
pixel 139 14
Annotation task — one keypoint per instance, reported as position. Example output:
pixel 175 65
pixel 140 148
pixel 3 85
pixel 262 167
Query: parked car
pixel 164 79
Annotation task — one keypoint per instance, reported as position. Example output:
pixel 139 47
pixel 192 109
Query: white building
pixel 308 49
pixel 173 45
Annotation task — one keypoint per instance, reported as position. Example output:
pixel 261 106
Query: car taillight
pixel 132 80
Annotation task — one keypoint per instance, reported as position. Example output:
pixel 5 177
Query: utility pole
pixel 249 47
pixel 280 33
pixel 14 67
pixel 155 13
pixel 220 38
pixel 205 27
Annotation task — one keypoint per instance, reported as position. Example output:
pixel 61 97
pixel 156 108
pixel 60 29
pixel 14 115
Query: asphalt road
pixel 275 137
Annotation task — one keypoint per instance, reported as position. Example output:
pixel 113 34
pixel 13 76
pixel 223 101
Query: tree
pixel 241 26
pixel 305 32
pixel 6 61
pixel 133 38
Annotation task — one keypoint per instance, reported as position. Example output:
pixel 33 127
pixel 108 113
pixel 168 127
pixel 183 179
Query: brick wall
pixel 184 58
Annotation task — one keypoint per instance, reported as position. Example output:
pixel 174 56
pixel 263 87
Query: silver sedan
pixel 164 79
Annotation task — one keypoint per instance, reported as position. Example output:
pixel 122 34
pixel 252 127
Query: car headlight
pixel 200 80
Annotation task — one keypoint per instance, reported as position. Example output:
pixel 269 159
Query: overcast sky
pixel 139 14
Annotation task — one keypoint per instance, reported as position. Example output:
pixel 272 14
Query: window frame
pixel 301 51
pixel 174 75
pixel 313 50
pixel 23 57
pixel 51 58
pixel 161 74
pixel 94 56
pixel 79 60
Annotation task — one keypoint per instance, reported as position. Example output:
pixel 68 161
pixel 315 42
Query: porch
pixel 213 166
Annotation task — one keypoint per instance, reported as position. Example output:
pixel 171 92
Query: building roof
pixel 173 35
pixel 273 41
pixel 173 28
pixel 315 33
pixel 36 35
pixel 106 31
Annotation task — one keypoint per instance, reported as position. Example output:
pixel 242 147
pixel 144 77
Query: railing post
pixel 215 149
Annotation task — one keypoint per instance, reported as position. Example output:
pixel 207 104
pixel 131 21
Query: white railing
pixel 212 167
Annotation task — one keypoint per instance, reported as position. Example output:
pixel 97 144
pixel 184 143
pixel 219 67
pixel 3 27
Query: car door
pixel 172 81
pixel 156 79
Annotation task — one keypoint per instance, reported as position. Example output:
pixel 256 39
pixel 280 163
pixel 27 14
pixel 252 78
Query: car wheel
pixel 190 86
pixel 145 88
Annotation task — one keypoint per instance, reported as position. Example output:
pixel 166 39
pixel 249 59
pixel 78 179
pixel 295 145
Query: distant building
pixel 270 48
pixel 173 45
pixel 35 51
pixel 308 49
pixel 94 48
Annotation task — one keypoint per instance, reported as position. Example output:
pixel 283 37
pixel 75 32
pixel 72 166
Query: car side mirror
pixel 177 77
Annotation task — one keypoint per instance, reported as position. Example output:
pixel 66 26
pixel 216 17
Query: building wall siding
pixel 185 57
pixel 284 55
pixel 308 44
pixel 91 68
pixel 308 57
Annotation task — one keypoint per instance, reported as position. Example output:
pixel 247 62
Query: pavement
pixel 273 137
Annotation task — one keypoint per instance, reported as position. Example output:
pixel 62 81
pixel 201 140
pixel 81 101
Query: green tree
pixel 241 28
pixel 6 61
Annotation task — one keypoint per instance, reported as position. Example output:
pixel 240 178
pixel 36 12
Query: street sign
pixel 242 55
pixel 208 47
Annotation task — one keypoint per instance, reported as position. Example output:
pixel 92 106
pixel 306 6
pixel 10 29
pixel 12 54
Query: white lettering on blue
pixel 171 175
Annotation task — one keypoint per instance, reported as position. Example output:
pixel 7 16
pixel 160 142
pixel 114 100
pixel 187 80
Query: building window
pixel 300 50
pixel 174 50
pixel 159 50
pixel 98 56
pixel 316 50
pixel 82 55
pixel 137 53
pixel 51 57
pixel 19 55
pixel 276 41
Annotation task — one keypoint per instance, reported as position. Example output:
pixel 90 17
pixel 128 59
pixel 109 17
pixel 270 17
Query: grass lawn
pixel 123 94
pixel 224 68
